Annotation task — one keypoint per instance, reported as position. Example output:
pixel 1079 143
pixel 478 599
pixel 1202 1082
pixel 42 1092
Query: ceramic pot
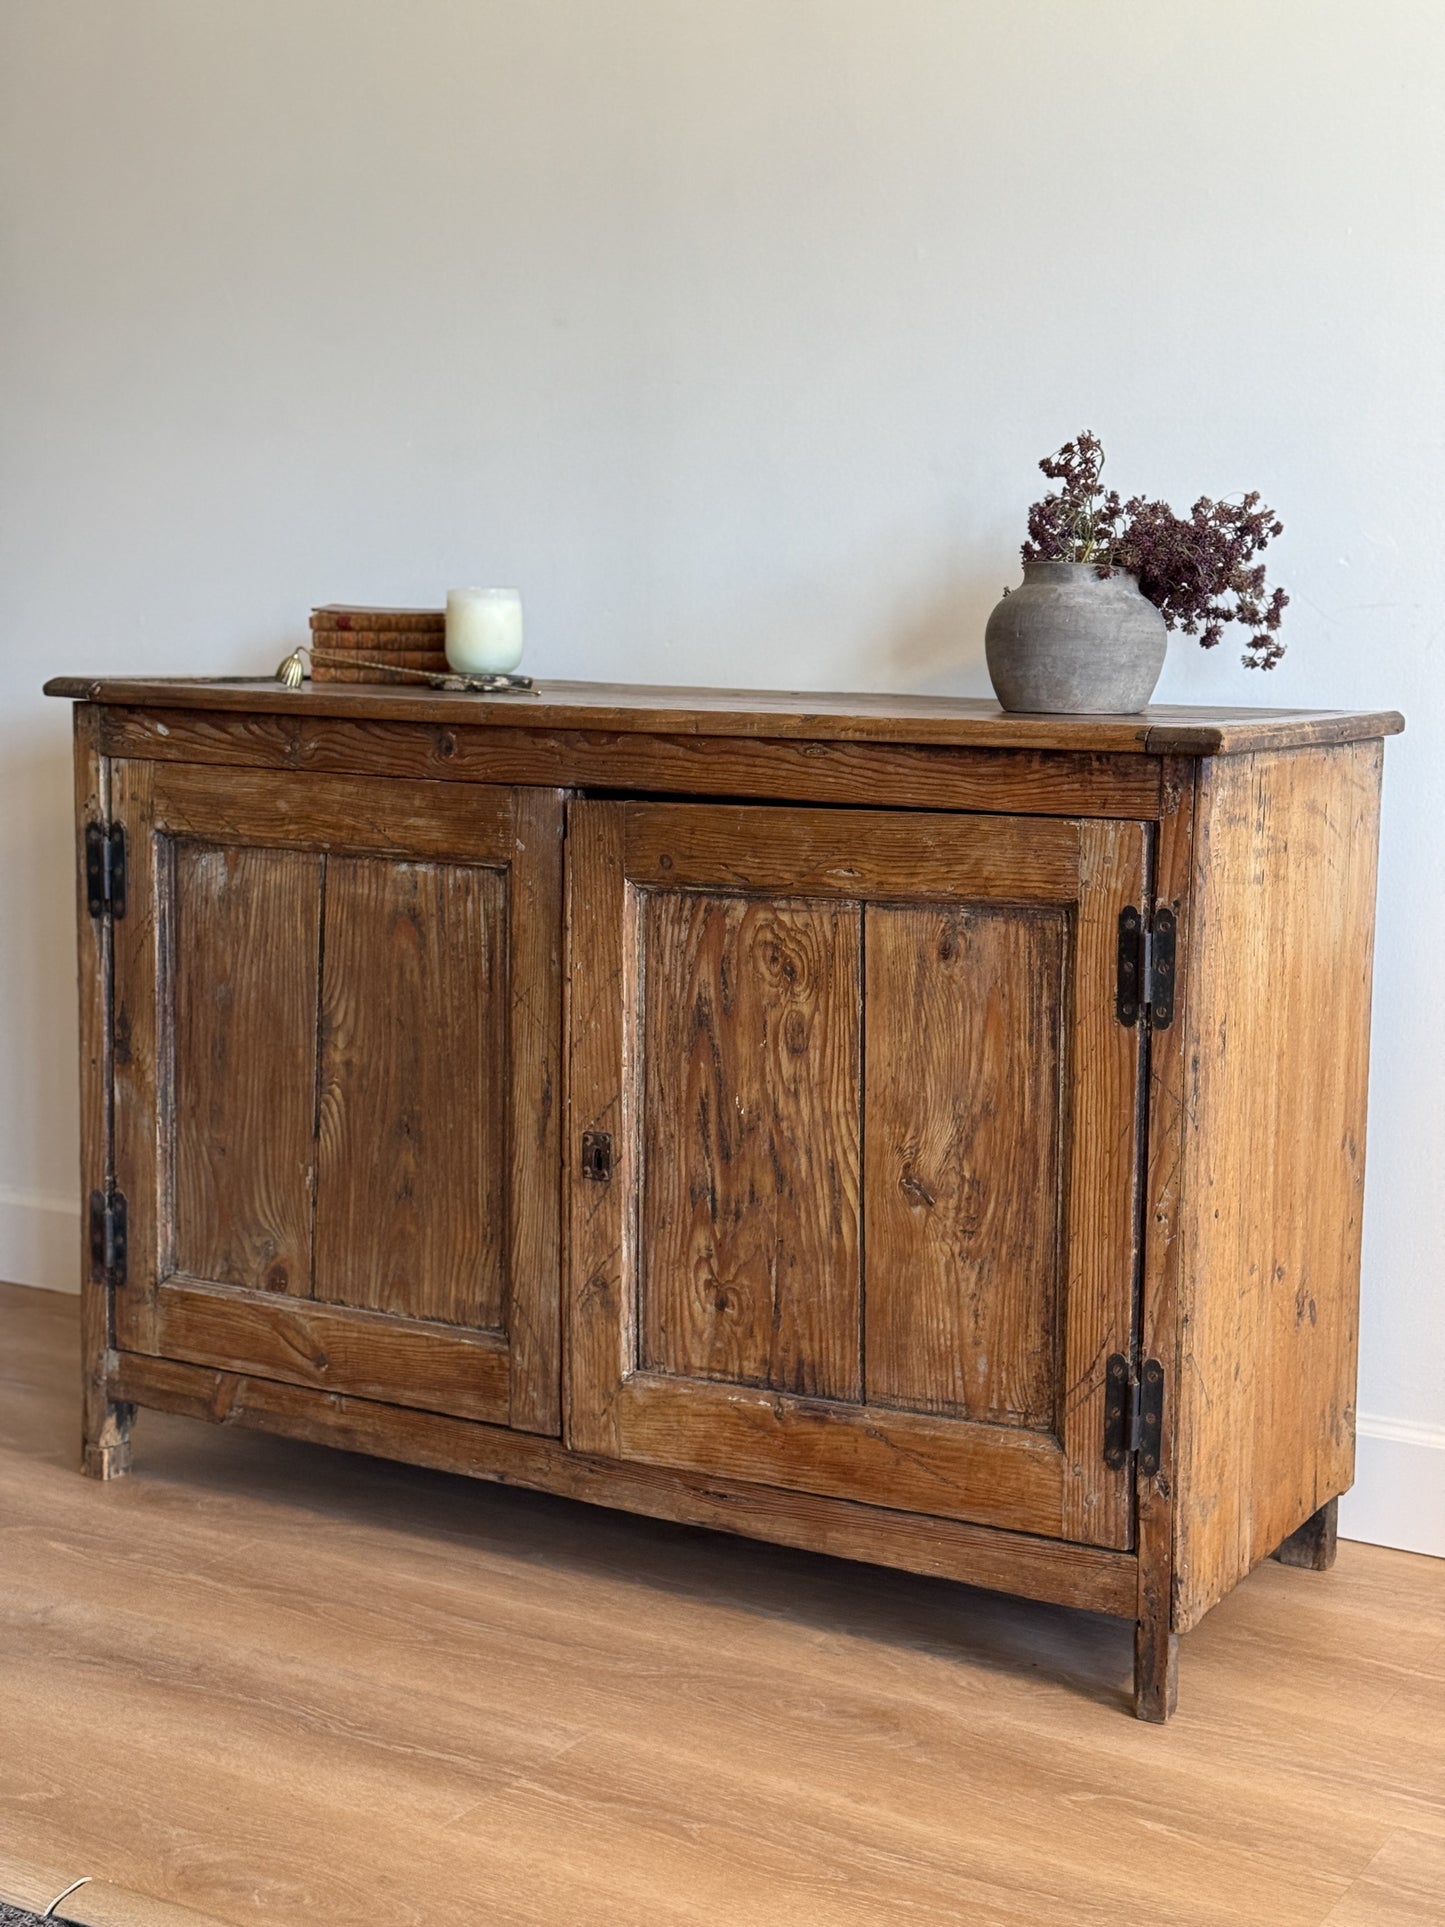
pixel 1074 641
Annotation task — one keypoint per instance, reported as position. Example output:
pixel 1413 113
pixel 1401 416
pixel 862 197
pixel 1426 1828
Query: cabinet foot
pixel 1156 1672
pixel 1313 1547
pixel 107 1454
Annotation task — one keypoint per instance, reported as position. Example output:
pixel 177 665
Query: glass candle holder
pixel 484 631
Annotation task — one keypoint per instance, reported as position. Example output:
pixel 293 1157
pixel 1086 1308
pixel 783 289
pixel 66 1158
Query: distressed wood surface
pixel 602 1006
pixel 140 1097
pixel 105 1425
pixel 1025 782
pixel 1314 1545
pixel 534 1043
pixel 241 934
pixel 806 714
pixel 749 1250
pixel 1165 1203
pixel 411 1182
pixel 407 1361
pixel 851 854
pixel 1279 1016
pixel 964 1200
pixel 351 815
pixel 1105 1139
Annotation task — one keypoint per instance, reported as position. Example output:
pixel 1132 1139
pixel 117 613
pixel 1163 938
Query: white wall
pixel 731 332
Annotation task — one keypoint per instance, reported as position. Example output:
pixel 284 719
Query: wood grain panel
pixel 140 1093
pixel 1155 1656
pixel 243 927
pixel 1105 1157
pixel 1281 954
pixel 105 1425
pixel 408 1362
pixel 411 1092
pixel 1011 1562
pixel 1025 782
pixel 533 1304
pixel 964 1192
pixel 989 1474
pixel 851 853
pixel 809 715
pixel 749 1259
pixel 350 815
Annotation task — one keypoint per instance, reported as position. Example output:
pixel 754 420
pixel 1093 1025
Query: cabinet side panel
pixel 1277 1063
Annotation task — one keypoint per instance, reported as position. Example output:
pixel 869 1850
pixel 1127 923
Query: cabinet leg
pixel 1156 1671
pixel 106 1453
pixel 1313 1546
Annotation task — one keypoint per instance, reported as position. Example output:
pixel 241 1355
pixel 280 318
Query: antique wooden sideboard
pixel 880 1125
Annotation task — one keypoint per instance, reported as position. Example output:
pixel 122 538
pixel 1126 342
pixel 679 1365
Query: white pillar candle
pixel 484 631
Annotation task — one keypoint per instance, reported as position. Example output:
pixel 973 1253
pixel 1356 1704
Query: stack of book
pixel 380 644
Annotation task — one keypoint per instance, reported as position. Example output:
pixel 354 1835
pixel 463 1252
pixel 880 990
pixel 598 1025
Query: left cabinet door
pixel 337 1022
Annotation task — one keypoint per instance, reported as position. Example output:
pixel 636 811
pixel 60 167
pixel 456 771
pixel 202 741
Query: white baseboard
pixel 39 1240
pixel 1398 1498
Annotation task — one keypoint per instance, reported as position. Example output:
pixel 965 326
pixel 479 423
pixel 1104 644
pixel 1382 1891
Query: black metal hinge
pixel 1146 967
pixel 107 1237
pixel 1133 1413
pixel 105 869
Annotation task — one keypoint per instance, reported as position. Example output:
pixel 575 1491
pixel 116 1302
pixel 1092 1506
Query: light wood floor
pixel 267 1683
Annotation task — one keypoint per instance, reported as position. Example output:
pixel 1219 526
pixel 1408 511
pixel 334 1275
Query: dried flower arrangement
pixel 1200 572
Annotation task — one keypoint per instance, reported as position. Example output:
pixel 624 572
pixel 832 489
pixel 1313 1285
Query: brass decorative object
pixel 292 673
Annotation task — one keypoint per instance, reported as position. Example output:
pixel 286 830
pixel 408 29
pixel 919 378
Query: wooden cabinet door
pixel 337 1019
pixel 855 1153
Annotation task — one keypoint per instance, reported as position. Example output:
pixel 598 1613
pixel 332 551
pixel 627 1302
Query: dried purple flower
pixel 1200 573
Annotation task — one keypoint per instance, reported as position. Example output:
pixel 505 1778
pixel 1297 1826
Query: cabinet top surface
pixel 808 715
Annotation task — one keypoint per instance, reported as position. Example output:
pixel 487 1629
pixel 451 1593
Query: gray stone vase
pixel 1071 640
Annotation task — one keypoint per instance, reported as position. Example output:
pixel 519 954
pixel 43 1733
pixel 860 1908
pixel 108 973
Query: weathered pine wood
pixel 751 1066
pixel 809 715
pixel 533 1300
pixel 105 1422
pixel 1105 1146
pixel 436 1367
pixel 141 1094
pixel 243 1063
pixel 1023 782
pixel 965 1106
pixel 351 815
pixel 1280 958
pixel 1082 1576
pixel 410 1121
pixel 1156 1659
pixel 602 1005
pixel 851 854
pixel 1313 1546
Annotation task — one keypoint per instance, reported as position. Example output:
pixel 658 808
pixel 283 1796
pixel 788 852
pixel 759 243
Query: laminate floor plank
pixel 260 1682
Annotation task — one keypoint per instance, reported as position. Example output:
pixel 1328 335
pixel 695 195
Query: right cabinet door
pixel 854 1153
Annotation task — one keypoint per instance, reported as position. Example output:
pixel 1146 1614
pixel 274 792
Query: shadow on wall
pixel 937 647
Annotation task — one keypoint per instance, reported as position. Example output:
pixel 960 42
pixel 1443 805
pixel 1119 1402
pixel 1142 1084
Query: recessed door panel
pixel 752 1051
